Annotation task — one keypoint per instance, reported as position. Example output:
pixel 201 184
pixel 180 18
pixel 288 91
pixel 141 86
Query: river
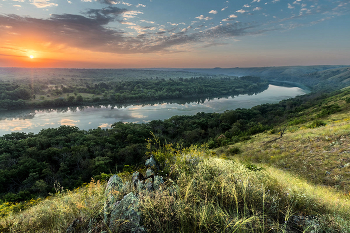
pixel 89 117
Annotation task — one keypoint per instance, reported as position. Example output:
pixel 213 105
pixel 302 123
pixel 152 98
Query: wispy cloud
pixel 131 14
pixel 230 18
pixel 201 17
pixel 145 21
pixel 43 3
pixel 115 29
pixel 241 11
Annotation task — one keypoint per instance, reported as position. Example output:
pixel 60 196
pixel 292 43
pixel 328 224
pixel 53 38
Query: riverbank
pixel 90 117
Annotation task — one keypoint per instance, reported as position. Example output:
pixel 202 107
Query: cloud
pixel 201 17
pixel 43 3
pixel 17 5
pixel 145 21
pixel 108 30
pixel 257 9
pixel 231 17
pixel 127 23
pixel 140 5
pixel 246 5
pixel 131 14
pixel 208 45
pixel 224 8
pixel 111 2
pixel 213 12
pixel 172 24
pixel 241 11
pixel 91 32
pixel 108 2
pixel 290 6
pixel 125 3
pixel 186 29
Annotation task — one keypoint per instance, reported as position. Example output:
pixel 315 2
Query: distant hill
pixel 315 77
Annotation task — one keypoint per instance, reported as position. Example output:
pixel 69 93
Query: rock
pixel 151 162
pixel 150 172
pixel 149 184
pixel 158 181
pixel 125 216
pixel 114 185
pixel 137 179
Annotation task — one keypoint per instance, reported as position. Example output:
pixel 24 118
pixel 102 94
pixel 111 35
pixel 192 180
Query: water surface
pixel 89 117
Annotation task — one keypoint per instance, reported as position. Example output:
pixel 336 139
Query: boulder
pixel 151 162
pixel 158 181
pixel 150 172
pixel 125 215
pixel 114 185
pixel 137 179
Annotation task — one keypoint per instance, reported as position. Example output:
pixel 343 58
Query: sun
pixel 31 56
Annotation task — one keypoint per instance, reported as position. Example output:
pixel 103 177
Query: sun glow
pixel 31 56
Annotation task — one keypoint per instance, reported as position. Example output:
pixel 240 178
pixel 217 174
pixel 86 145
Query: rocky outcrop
pixel 151 163
pixel 124 215
pixel 121 213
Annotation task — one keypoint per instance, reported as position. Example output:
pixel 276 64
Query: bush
pixel 316 123
pixel 234 151
pixel 298 121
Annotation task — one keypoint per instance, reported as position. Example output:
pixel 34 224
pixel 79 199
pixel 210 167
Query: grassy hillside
pixel 299 182
pixel 212 195
pixel 315 147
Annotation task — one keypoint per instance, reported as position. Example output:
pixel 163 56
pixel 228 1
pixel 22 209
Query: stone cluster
pixel 124 215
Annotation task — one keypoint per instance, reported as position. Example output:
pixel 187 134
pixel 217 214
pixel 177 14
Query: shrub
pixel 316 123
pixel 234 151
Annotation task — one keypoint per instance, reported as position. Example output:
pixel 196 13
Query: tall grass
pixel 55 213
pixel 202 193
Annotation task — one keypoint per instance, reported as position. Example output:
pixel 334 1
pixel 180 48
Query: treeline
pixel 30 164
pixel 40 95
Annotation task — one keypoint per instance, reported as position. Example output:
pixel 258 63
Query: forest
pixel 75 92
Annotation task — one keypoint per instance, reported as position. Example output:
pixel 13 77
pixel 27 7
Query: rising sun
pixel 31 56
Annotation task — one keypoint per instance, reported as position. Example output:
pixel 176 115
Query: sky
pixel 173 33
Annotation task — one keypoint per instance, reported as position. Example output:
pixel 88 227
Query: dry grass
pixel 321 155
pixel 204 193
pixel 55 213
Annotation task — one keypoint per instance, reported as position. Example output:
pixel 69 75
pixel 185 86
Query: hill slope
pixel 315 77
pixel 297 183
pixel 318 152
